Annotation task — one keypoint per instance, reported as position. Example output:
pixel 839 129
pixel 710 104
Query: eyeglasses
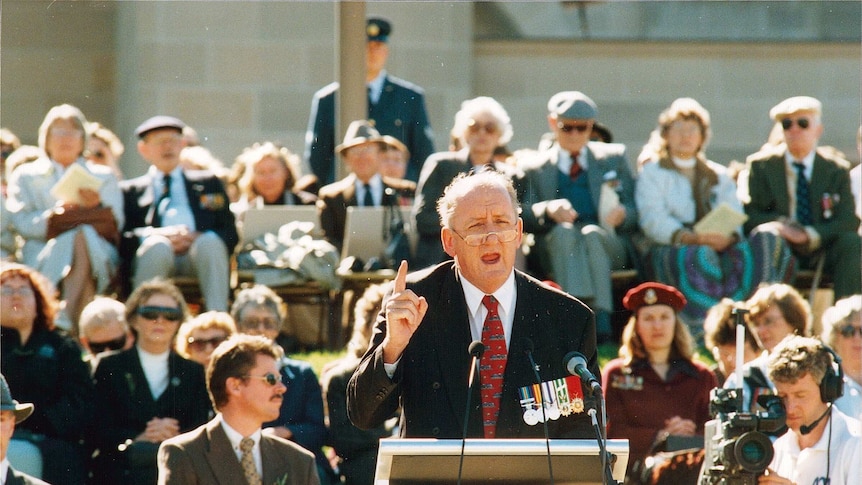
pixel 850 330
pixel 200 344
pixel 165 312
pixel 489 127
pixel 568 128
pixel 66 132
pixel 508 235
pixel 99 347
pixel 802 123
pixel 21 291
pixel 267 323
pixel 269 378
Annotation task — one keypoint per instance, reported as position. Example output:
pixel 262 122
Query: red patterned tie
pixel 576 168
pixel 492 366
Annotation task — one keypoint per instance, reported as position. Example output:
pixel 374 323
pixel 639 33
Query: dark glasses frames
pixel 99 347
pixel 270 378
pixel 803 123
pixel 489 128
pixel 568 128
pixel 200 344
pixel 154 312
pixel 850 330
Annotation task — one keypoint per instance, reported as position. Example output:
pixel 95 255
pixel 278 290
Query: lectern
pixel 510 461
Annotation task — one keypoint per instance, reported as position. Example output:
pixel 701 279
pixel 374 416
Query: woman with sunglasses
pixel 43 365
pixel 148 393
pixel 198 337
pixel 842 331
pixel 260 311
pixel 677 188
pixel 481 125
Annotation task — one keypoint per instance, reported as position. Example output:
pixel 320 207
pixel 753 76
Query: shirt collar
pixel 235 437
pixel 157 175
pixel 564 159
pixel 376 183
pixel 505 295
pixel 807 160
pixel 376 85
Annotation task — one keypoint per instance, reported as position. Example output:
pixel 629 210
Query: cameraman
pixel 822 445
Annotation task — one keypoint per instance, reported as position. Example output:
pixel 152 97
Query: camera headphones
pixel 832 385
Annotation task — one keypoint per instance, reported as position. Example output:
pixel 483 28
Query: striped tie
pixel 803 202
pixel 248 466
pixel 492 366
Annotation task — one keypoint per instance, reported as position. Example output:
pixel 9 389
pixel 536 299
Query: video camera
pixel 737 447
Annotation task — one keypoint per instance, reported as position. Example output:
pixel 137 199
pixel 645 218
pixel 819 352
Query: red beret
pixel 652 293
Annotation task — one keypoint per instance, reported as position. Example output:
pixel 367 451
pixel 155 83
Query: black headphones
pixel 832 385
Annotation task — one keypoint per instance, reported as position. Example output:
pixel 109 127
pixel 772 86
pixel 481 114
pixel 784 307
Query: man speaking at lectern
pixel 419 355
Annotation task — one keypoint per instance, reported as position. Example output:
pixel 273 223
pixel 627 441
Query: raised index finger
pixel 401 278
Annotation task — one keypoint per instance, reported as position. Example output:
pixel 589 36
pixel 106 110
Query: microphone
pixel 528 349
pixel 476 349
pixel 807 428
pixel 576 364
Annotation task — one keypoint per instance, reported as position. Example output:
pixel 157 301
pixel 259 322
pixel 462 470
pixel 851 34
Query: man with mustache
pixel 245 387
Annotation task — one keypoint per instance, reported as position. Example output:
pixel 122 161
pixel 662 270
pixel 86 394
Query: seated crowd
pixel 94 331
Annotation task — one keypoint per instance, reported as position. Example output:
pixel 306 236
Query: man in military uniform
pixel 395 107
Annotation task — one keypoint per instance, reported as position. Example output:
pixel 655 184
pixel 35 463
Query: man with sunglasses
pixel 102 328
pixel 581 235
pixel 801 196
pixel 245 388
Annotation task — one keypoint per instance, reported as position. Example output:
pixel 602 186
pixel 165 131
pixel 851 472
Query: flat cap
pixel 378 29
pixel 573 105
pixel 795 105
pixel 652 293
pixel 159 122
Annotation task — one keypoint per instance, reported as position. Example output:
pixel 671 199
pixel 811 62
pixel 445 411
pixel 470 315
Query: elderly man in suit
pixel 395 107
pixel 419 357
pixel 245 387
pixel 577 244
pixel 177 221
pixel 362 151
pixel 11 413
pixel 802 195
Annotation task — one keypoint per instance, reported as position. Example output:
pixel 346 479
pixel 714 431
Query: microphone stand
pixel 535 368
pixel 607 473
pixel 476 350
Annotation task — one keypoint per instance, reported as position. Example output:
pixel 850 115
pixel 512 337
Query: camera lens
pixel 751 451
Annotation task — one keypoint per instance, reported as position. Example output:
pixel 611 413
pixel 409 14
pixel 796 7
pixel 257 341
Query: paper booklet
pixel 609 199
pixel 75 178
pixel 721 220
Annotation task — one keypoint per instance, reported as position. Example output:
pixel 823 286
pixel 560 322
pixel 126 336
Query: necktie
pixel 576 169
pixel 803 204
pixel 492 366
pixel 248 467
pixel 367 200
pixel 164 201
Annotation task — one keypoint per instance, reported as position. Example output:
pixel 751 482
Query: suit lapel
pixel 595 174
pixel 147 199
pixel 777 179
pixel 453 339
pixel 139 387
pixel 274 463
pixel 517 363
pixel 221 456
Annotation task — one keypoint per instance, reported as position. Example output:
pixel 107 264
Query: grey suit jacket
pixel 205 456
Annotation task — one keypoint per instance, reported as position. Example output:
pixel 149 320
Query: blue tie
pixel 367 200
pixel 803 203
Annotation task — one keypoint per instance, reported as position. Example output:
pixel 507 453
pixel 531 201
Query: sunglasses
pixel 850 330
pixel 200 344
pixel 165 312
pixel 99 347
pixel 802 123
pixel 489 127
pixel 270 378
pixel 568 128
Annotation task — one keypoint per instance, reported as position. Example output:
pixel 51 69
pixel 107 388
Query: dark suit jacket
pixel 124 402
pixel 205 456
pixel 770 198
pixel 431 379
pixel 400 112
pixel 207 199
pixel 437 173
pixel 334 199
pixel 14 477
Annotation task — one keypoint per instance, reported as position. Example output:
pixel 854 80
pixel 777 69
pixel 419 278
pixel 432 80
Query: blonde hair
pixel 252 155
pixel 205 321
pixel 63 112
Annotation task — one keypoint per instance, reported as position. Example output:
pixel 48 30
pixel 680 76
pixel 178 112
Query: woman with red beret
pixel 655 389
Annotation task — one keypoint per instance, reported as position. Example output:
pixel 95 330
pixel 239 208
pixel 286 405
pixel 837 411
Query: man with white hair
pixel 803 196
pixel 103 328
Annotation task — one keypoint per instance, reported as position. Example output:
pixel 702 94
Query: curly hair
pixel 720 325
pixel 789 302
pixel 796 356
pixel 258 296
pixel 44 291
pixel 844 312
pixel 205 321
pixel 252 155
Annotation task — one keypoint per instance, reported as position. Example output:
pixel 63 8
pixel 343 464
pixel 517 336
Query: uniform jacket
pixel 14 477
pixel 400 112
pixel 205 456
pixel 770 197
pixel 334 199
pixel 431 379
